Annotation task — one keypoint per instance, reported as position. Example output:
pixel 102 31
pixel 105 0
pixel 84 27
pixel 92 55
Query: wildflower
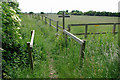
pixel 51 73
pixel 12 9
pixel 1 49
pixel 20 37
pixel 16 32
pixel 18 27
pixel 19 34
pixel 15 17
pixel 96 25
pixel 18 19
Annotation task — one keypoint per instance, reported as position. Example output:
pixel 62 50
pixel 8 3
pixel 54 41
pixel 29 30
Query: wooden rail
pixel 60 26
pixel 53 20
pixel 30 46
pixel 81 42
pixel 74 37
pixel 93 33
pixel 86 27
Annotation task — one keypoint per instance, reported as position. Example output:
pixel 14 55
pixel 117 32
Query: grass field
pixel 101 51
pixel 87 19
pixel 84 19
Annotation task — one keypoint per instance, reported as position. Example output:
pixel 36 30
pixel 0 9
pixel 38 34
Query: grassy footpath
pixel 44 39
pixel 100 61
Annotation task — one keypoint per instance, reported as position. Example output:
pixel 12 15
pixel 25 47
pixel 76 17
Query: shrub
pixel 13 52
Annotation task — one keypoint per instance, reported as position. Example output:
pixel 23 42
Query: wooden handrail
pixel 68 33
pixel 30 46
pixel 74 37
pixel 53 26
pixel 60 26
pixel 32 38
pixel 53 20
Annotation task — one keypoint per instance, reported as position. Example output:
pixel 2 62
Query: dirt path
pixel 51 67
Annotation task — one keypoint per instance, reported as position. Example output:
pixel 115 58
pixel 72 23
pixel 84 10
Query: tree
pixel 42 13
pixel 90 13
pixel 66 11
pixel 76 12
pixel 80 13
pixel 94 13
pixel 60 12
pixel 31 12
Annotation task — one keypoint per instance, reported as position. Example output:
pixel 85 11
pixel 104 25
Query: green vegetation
pixel 101 51
pixel 91 13
pixel 100 61
pixel 61 12
pixel 41 67
pixel 11 39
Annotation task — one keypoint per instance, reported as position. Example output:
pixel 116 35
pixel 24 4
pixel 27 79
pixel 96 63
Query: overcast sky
pixel 57 5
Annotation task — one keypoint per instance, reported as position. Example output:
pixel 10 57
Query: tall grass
pixel 41 69
pixel 101 59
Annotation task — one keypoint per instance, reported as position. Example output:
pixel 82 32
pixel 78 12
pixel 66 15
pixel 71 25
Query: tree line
pixel 91 13
pixel 88 13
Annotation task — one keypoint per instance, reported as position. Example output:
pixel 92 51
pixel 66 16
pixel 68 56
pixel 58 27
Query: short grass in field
pixel 74 19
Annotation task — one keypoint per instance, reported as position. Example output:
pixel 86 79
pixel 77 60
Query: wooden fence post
pixel 57 25
pixel 42 17
pixel 68 28
pixel 66 41
pixel 35 16
pixel 63 20
pixel 30 55
pixel 45 20
pixel 114 26
pixel 31 33
pixel 82 50
pixel 39 16
pixel 86 27
pixel 50 22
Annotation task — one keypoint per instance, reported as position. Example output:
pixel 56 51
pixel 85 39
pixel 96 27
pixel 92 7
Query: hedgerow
pixel 14 52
